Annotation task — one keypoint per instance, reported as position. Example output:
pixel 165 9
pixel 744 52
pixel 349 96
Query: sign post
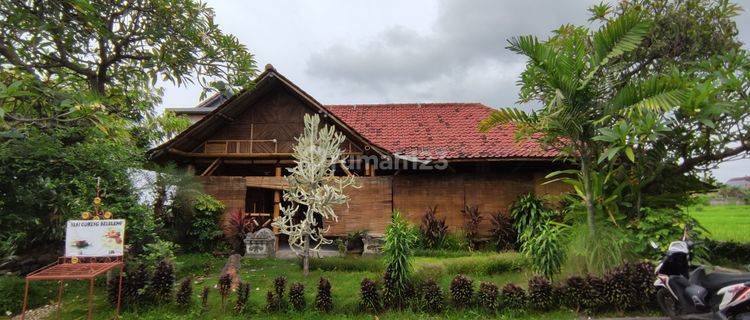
pixel 93 247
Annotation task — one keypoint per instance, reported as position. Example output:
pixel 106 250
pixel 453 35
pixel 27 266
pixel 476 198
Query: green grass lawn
pixel 500 268
pixel 725 223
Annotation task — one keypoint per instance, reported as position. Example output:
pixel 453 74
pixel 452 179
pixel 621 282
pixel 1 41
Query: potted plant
pixel 354 243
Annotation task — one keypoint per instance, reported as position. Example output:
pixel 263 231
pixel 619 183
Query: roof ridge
pixel 402 104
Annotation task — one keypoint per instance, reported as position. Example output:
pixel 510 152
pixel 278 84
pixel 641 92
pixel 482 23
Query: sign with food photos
pixel 95 238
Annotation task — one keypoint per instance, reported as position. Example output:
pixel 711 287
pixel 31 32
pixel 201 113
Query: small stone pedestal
pixel 260 244
pixel 373 245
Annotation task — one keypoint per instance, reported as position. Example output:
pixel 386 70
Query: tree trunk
pixel 306 257
pixel 589 199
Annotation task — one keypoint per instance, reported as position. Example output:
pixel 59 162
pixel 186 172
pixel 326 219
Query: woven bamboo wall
pixel 369 207
pixel 229 190
pixel 492 192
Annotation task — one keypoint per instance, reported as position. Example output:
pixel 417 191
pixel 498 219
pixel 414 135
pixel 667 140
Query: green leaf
pixel 630 154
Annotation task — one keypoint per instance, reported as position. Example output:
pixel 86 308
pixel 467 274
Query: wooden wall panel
pixel 369 207
pixel 492 192
pixel 229 190
pixel 495 192
pixel 413 194
pixel 277 115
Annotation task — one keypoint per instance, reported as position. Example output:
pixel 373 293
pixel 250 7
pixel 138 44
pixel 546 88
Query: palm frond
pixel 559 70
pixel 658 93
pixel 619 36
pixel 505 116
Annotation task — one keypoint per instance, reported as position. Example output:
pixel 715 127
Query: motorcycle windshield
pixel 678 246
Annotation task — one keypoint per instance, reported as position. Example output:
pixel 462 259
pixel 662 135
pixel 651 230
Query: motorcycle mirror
pixel 653 244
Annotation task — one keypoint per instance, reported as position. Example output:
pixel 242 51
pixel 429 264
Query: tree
pixel 696 40
pixel 314 189
pixel 77 96
pixel 69 60
pixel 571 75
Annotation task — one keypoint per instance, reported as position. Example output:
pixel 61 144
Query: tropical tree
pixel 314 189
pixel 71 60
pixel 77 95
pixel 571 74
pixel 696 39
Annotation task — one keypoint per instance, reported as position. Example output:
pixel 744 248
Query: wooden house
pixel 408 157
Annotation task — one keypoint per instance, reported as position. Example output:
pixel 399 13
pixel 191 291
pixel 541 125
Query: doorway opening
pixel 259 205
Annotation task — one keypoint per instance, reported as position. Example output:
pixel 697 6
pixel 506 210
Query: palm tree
pixel 572 75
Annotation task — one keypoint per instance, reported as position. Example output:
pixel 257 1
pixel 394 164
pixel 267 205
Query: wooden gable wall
pixel 277 115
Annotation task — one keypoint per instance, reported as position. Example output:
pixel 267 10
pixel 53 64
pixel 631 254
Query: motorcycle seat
pixel 717 280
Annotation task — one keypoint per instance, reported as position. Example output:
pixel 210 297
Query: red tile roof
pixel 435 130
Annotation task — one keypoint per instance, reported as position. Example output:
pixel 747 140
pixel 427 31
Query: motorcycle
pixel 685 291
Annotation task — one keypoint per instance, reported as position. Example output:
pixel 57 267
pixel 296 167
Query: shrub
pixel 113 290
pixel 485 264
pixel 369 296
pixel 575 291
pixel 349 264
pixel 341 246
pixel 390 296
pixel 664 226
pixel 433 230
pixel 275 298
pixel 433 299
pixel 541 294
pixel 162 282
pixel 428 271
pixel 598 252
pixel 11 299
pixel 235 225
pixel 279 286
pixel 134 286
pixel 471 226
pixel 203 228
pixel 628 286
pixel 488 296
pixel 204 299
pixel 324 299
pixel 528 213
pixel 642 277
pixel 462 291
pixel 728 251
pixel 272 304
pixel 503 233
pixel 441 253
pixel 184 296
pixel 243 293
pixel 225 283
pixel 514 297
pixel 153 253
pixel 397 250
pixel 593 300
pixel 546 248
pixel 297 296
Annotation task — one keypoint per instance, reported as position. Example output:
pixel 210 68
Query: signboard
pixel 95 238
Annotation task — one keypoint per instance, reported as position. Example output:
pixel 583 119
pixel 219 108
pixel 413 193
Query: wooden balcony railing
pixel 240 146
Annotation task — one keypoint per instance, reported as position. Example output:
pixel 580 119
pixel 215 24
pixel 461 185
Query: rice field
pixel 724 222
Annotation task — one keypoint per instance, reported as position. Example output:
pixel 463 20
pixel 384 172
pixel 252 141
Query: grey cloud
pixel 463 59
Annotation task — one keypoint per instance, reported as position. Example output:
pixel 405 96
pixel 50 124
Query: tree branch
pixel 691 163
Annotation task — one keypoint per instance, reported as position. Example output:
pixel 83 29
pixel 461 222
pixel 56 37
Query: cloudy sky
pixel 347 51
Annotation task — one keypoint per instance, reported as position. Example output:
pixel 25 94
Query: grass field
pixel 725 223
